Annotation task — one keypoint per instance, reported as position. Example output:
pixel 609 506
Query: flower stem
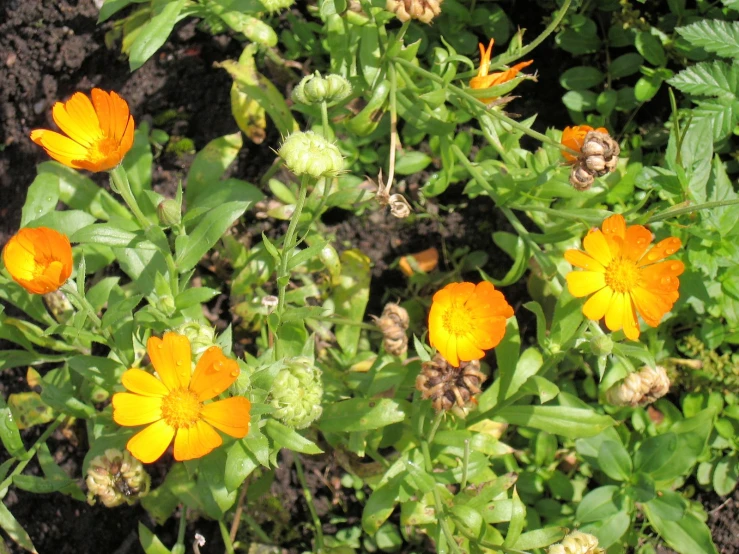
pixel 32 451
pixel 311 507
pixel 120 182
pixel 668 213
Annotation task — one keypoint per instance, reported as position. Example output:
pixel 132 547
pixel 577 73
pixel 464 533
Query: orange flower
pixel 574 138
pixel 467 319
pixel 39 260
pixel 427 260
pixel 99 132
pixel 173 405
pixel 483 80
pixel 626 275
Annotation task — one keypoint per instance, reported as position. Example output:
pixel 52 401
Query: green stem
pixel 587 221
pixel 181 529
pixel 226 538
pixel 324 120
pixel 441 516
pixel 666 214
pixel 465 464
pixel 174 282
pixel 32 451
pixel 120 182
pixel 311 507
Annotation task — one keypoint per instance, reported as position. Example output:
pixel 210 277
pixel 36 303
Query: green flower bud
pixel 307 153
pixel 116 477
pixel 201 336
pixel 169 212
pixel 601 345
pixel 314 89
pixel 166 304
pixel 296 393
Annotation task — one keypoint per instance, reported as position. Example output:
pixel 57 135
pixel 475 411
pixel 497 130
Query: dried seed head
pixel 576 542
pixel 595 140
pixel 422 10
pixel 580 177
pixel 116 477
pixel 399 206
pixel 640 388
pixel 394 323
pixel 593 148
pixel 596 164
pixel 448 386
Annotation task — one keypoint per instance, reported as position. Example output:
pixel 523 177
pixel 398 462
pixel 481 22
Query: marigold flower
pixel 173 405
pixel 467 319
pixel 485 80
pixel 100 133
pixel 39 260
pixel 625 275
pixel 574 138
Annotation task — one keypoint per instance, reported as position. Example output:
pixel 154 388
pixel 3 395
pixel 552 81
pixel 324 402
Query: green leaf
pixel 582 77
pixel 614 460
pixel 154 34
pixel 14 529
pixel 360 414
pixel 716 78
pixel 9 433
pixel 647 87
pixel 713 35
pixel 723 115
pixel 560 420
pixel 598 504
pixel 150 542
pixel 625 65
pixel 195 295
pixel 111 7
pixel 725 475
pixel 205 235
pixel 689 535
pixel 41 198
pixel 67 222
pixel 381 504
pixel 411 162
pixel 111 235
pixel 655 453
pixel 580 100
pixel 651 48
pixel 507 355
pixel 40 485
pixel 284 437
pixel 209 166
pixel 350 297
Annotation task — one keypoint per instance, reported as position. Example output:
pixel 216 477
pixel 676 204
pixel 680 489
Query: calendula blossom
pixel 625 276
pixel 99 132
pixel 485 80
pixel 467 319
pixel 574 138
pixel 39 260
pixel 173 405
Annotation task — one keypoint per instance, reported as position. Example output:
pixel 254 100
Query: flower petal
pixel 614 226
pixel 141 382
pixel 448 349
pixel 149 445
pixel 467 350
pixel 486 301
pixel 638 238
pixel 230 415
pixel 131 410
pixel 196 441
pixel 171 359
pixel 580 259
pixel 631 323
pixel 79 117
pixel 59 147
pixel 213 374
pixel 661 250
pixel 583 283
pixel 596 245
pixel 651 306
pixel 615 313
pixel 597 305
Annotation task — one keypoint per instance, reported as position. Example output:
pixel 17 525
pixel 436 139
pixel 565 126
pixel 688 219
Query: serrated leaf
pixel 714 35
pixel 717 78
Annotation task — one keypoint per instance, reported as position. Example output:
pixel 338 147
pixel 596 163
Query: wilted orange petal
pixel 131 410
pixel 426 261
pixel 196 441
pixel 149 444
pixel 230 415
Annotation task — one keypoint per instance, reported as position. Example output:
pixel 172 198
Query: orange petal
pixel 105 111
pixel 230 415
pixel 583 283
pixel 597 305
pixel 196 441
pixel 614 226
pixel 141 382
pixel 661 250
pixel 79 131
pixel 596 245
pixel 149 444
pixel 486 301
pixel 652 307
pixel 59 147
pixel 437 332
pixel 82 112
pixel 213 374
pixel 489 333
pixel 637 240
pixel 581 259
pixel 171 359
pixel 131 410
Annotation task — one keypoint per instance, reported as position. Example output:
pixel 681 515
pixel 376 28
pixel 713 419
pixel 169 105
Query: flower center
pixel 101 149
pixel 180 408
pixel 622 275
pixel 457 320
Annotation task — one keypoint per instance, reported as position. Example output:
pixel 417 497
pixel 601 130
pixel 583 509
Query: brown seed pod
pixel 641 388
pixel 580 177
pixel 394 323
pixel 447 385
pixel 422 10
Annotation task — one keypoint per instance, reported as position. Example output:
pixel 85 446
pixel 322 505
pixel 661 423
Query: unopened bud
pixel 601 345
pixel 166 304
pixel 169 212
pixel 576 542
pixel 297 392
pixel 116 477
pixel 640 388
pixel 201 336
pixel 307 153
pixel 314 89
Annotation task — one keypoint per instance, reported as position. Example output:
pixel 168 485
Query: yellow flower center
pixel 457 320
pixel 181 409
pixel 622 275
pixel 101 149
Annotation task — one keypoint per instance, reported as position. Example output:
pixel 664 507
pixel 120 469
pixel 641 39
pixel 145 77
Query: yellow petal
pixel 597 305
pixel 82 113
pixel 149 444
pixel 62 149
pixel 196 441
pixel 582 260
pixel 467 350
pixel 596 245
pixel 141 382
pixel 79 131
pixel 230 415
pixel 615 313
pixel 583 283
pixel 631 323
pixel 448 350
pixel 131 410
pixel 213 374
pixel 171 359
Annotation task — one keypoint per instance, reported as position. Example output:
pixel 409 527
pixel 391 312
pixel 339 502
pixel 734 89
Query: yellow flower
pixel 39 260
pixel 467 319
pixel 574 137
pixel 99 132
pixel 173 405
pixel 625 276
pixel 485 80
